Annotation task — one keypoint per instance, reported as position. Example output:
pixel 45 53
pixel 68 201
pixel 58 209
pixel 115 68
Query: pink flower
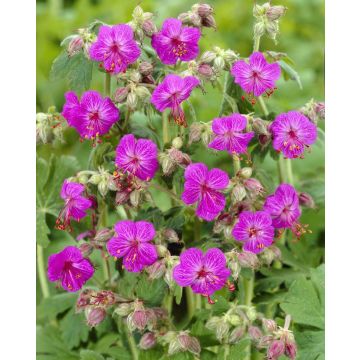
pixel 257 76
pixel 255 230
pixel 204 188
pixel 115 47
pixel 230 135
pixel 132 243
pixel 71 268
pixel 171 93
pixel 75 204
pixel 204 273
pixel 176 42
pixel 292 133
pixel 283 206
pixel 92 116
pixel 137 156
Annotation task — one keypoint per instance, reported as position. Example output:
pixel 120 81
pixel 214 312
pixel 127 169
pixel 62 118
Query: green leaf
pixel 139 127
pixel 305 300
pixel 100 154
pixel 42 230
pixel 74 329
pixel 178 294
pixel 50 346
pixel 55 305
pixel 90 355
pixel 290 73
pixel 103 345
pixel 152 292
pixel 77 70
pixel 239 350
pixel 311 345
pixel 151 354
pixel 221 305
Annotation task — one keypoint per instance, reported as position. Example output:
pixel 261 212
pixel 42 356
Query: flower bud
pixel 120 94
pixel 168 165
pixel 195 132
pixel 222 330
pixel 102 236
pixel 177 142
pixel 238 193
pixel 245 172
pixel 234 266
pixel 254 186
pixel 202 9
pixel 275 12
pixel 156 270
pixel 171 236
pixel 264 341
pixel 230 56
pixel 84 299
pixel 254 332
pixel 236 334
pixel 103 188
pixel 142 92
pixel 146 68
pixel 208 57
pixel 94 316
pixel 162 250
pixel 75 45
pixel 251 313
pixel 137 320
pixel 259 29
pixel 174 347
pixel 248 260
pixel 147 341
pixel 137 13
pixel 208 21
pixel 269 325
pixel 260 126
pixel 275 350
pixel 258 10
pixel 219 63
pixel 234 319
pixel 290 350
pixel 205 71
pixel 272 29
pixel 124 309
pixel 86 249
pixel 149 28
pixel 306 200
pixel 207 134
pixel 189 343
pixel 135 197
pixel 95 179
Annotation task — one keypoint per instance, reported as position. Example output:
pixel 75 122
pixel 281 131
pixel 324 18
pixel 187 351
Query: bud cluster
pixel 48 126
pixel 180 342
pixel 314 110
pixel 142 24
pixel 200 15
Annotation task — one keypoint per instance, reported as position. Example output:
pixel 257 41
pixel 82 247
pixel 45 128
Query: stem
pixel 102 223
pixel 263 106
pixel 168 302
pixel 127 118
pixel 167 191
pixel 165 128
pixel 132 343
pixel 256 43
pixel 197 229
pixel 281 170
pixel 198 302
pixel 236 163
pixel 249 290
pixel 289 172
pixel 41 272
pixel 107 84
pixel 226 351
pixel 190 302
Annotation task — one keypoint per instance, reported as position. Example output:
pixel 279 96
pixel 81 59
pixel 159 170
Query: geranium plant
pixel 195 278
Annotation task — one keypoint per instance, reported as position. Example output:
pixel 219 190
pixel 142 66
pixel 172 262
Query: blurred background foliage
pixel 301 37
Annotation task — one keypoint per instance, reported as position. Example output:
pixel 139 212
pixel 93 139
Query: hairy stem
pixel 256 43
pixel 197 229
pixel 107 84
pixel 236 163
pixel 263 106
pixel 132 343
pixel 190 302
pixel 165 128
pixel 249 290
pixel 41 271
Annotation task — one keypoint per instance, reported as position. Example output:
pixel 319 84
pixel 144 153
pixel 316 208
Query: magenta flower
pixel 71 268
pixel 137 156
pixel 204 273
pixel 255 230
pixel 176 42
pixel 92 116
pixel 132 243
pixel 203 187
pixel 115 47
pixel 171 93
pixel 229 134
pixel 283 206
pixel 292 133
pixel 257 76
pixel 75 204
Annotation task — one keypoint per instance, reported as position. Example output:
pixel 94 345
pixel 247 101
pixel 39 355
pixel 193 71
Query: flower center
pixel 94 116
pixel 253 231
pixel 292 134
pixel 114 48
pixel 179 47
pixel 202 273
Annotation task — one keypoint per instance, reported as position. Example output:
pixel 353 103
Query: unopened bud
pixel 254 186
pixel 135 197
pixel 177 142
pixel 137 320
pixel 138 12
pixel 124 309
pixel 235 268
pixel 260 126
pixel 222 330
pixel 171 236
pixel 94 316
pixel 189 343
pixel 230 56
pixel 142 92
pixel 219 63
pixel 251 313
pixel 205 71
pixel 84 299
pixel 95 179
pixel 147 341
pixel 208 57
pixel 236 334
pixel 208 21
pixel 103 187
pixel 245 172
pixel 162 250
pixel 306 200
pixel 276 349
pixel 83 179
pixel 146 68
pixel 238 193
pixel 195 132
pixel 102 236
pixel 275 12
pixel 120 94
pixel 290 350
pixel 254 332
pixel 258 10
pixel 202 9
pixel 86 249
pixel 248 260
pixel 75 45
pixel 149 28
pixel 259 29
pixel 272 29
pixel 234 319
pixel 156 270
pixel 269 325
pixel 264 341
